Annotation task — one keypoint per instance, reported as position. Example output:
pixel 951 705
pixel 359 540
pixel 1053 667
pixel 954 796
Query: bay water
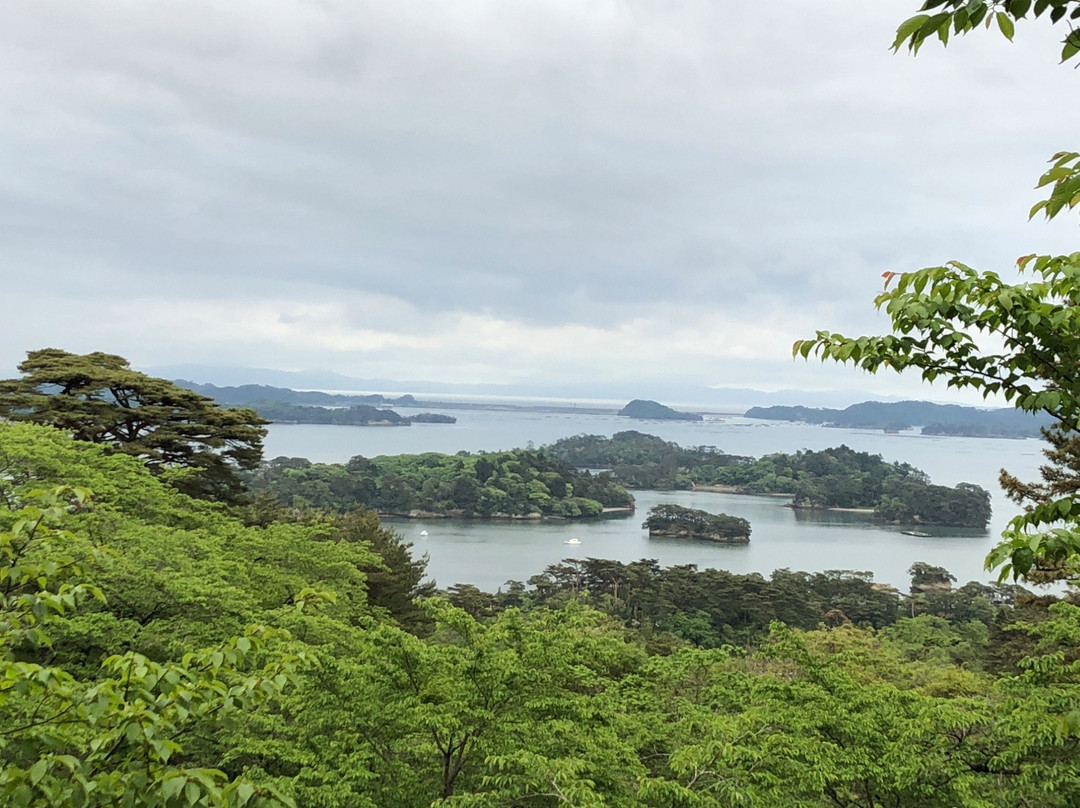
pixel 488 553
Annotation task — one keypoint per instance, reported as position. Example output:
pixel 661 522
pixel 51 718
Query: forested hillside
pixel 157 650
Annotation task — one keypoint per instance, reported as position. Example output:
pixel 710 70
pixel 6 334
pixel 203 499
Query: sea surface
pixel 489 553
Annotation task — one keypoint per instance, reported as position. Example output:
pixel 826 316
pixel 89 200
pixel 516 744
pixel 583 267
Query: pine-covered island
pixel 677 522
pixel 838 478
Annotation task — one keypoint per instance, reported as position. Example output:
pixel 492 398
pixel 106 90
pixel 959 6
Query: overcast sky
pixel 502 190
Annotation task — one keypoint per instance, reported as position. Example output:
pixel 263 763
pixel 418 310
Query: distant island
pixel 432 418
pixel 677 522
pixel 839 478
pixel 935 419
pixel 247 395
pixel 654 411
pixel 279 412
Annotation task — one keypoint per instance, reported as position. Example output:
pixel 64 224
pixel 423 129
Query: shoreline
pixel 535 516
pixel 732 489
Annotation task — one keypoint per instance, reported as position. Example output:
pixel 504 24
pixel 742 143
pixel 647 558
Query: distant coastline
pixel 947 420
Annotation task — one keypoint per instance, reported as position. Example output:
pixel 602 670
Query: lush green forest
pixel 831 478
pixel 521 483
pixel 935 419
pixel 157 650
pixel 676 521
pixel 638 460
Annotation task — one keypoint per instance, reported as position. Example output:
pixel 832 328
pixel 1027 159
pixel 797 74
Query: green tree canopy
pixel 978 330
pixel 97 397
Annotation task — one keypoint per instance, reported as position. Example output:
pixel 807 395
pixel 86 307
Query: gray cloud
pixel 386 172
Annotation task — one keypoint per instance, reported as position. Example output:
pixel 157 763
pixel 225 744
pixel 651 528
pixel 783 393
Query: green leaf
pixel 38 770
pixel 173 786
pixel 1005 25
pixel 1023 560
pixel 244 793
pixel 907 28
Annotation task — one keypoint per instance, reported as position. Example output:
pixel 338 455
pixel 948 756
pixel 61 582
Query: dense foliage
pixel 831 478
pixel 675 520
pixel 519 483
pixel 233 664
pixel 975 329
pixel 644 461
pixel 198 446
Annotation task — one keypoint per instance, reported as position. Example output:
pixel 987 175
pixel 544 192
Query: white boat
pixel 423 533
pixel 572 541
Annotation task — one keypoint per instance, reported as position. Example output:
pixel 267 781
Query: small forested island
pixel 832 478
pixel 654 411
pixel 279 412
pixel 432 418
pixel 520 484
pixel 935 419
pixel 677 522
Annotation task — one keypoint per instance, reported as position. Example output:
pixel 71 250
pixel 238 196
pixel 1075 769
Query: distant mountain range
pixel 935 419
pixel 245 394
pixel 691 396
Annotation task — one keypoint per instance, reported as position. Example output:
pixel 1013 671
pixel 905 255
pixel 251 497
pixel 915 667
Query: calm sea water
pixel 488 554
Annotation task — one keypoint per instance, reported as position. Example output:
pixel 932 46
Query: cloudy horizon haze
pixel 489 192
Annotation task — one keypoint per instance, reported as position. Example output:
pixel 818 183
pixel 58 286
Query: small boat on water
pixel 424 533
pixel 917 533
pixel 572 541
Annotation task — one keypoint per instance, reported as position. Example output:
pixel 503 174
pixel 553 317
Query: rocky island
pixel 652 410
pixel 677 522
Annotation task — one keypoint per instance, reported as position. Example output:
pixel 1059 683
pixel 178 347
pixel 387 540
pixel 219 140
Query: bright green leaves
pixel 1005 25
pixel 962 16
pixel 1020 341
pixel 1063 176
pixel 942 316
pixel 118 739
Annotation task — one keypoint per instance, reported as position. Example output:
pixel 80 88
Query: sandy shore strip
pixel 731 489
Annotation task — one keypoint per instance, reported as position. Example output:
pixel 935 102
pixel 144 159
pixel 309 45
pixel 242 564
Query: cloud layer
pixel 484 191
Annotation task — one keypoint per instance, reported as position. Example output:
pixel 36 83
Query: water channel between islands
pixel 488 553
